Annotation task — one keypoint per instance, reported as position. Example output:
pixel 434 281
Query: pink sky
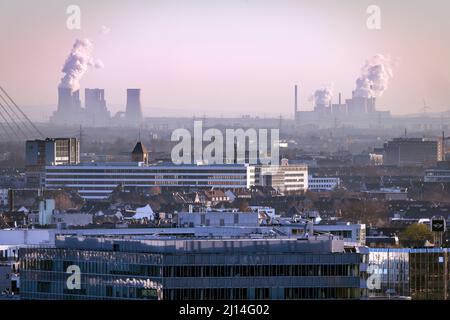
pixel 227 57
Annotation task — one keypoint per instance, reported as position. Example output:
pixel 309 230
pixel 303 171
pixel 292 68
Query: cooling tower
pixel 96 111
pixel 133 112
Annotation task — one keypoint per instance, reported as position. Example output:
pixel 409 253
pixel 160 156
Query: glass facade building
pixel 421 274
pixel 111 268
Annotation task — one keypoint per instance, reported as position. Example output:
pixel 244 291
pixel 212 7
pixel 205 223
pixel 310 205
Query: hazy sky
pixel 227 57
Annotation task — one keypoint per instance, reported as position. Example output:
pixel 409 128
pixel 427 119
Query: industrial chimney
pixel 133 112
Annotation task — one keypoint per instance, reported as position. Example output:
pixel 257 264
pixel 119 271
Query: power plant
pixel 357 108
pixel 95 104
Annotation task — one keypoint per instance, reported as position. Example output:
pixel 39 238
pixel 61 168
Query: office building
pixel 218 219
pixel 96 181
pixel 422 274
pixel 410 152
pixel 284 178
pixel 51 151
pixel 323 183
pixel 186 269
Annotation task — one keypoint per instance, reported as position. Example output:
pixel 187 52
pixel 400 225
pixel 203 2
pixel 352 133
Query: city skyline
pixel 239 57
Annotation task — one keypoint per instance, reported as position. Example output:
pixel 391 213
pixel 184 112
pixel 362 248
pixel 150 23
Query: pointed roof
pixel 139 148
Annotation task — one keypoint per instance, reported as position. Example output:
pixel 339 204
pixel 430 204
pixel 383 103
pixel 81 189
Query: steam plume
pixel 77 63
pixel 323 95
pixel 375 76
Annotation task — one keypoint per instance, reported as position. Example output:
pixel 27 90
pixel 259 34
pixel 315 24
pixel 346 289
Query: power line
pixel 19 128
pixel 8 124
pixel 24 115
pixel 25 125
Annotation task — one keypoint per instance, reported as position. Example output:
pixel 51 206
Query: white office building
pixel 96 181
pixel 323 183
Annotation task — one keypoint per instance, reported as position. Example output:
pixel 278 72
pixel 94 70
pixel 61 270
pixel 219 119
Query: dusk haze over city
pixel 212 158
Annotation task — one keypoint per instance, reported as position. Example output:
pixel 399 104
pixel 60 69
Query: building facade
pixel 323 183
pixel 419 273
pixel 190 269
pixel 411 152
pixel 51 151
pixel 284 178
pixel 97 181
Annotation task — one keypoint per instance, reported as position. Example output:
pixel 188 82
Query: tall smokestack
pixel 339 98
pixel 295 102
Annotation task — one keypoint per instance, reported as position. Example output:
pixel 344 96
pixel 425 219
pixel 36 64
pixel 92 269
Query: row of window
pixel 209 271
pixel 346 270
pixel 151 171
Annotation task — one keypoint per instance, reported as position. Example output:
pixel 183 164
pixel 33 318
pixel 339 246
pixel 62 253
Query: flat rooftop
pixel 316 245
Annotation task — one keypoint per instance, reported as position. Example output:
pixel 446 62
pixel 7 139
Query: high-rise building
pixel 51 151
pixel 410 151
pixel 133 112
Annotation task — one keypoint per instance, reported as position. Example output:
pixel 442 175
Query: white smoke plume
pixel 105 30
pixel 323 95
pixel 77 63
pixel 375 76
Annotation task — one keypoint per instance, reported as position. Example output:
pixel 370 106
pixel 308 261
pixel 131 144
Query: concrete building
pixel 284 178
pixel 218 219
pixel 48 152
pixel 411 152
pixel 96 181
pixel 323 183
pixel 71 219
pixel 169 269
pixel 438 174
